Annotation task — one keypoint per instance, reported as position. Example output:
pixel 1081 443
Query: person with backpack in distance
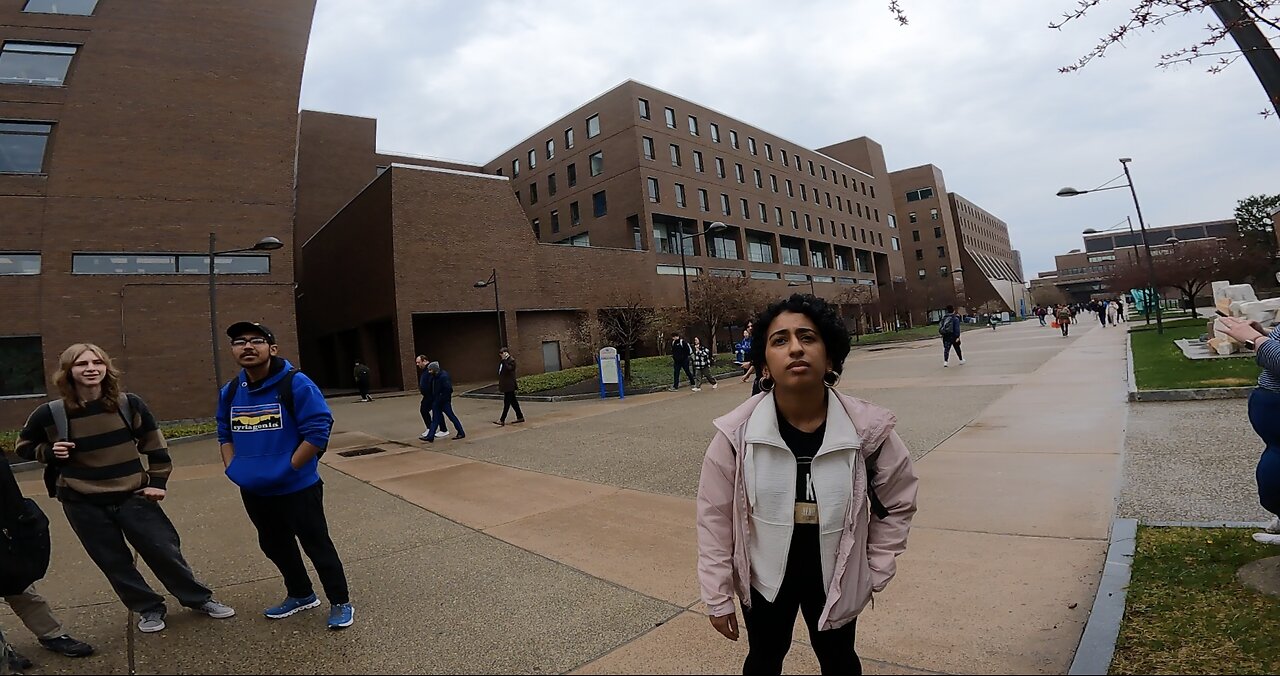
pixel 442 402
pixel 949 329
pixel 805 498
pixel 427 403
pixel 92 441
pixel 1065 316
pixel 361 374
pixel 273 425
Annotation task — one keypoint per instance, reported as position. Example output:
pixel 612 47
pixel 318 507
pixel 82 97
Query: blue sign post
pixel 610 371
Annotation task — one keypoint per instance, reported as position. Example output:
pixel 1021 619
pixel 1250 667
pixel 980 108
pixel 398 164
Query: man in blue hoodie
pixel 273 424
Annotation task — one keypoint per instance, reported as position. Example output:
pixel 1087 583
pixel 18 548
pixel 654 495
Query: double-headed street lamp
pixel 811 291
pixel 264 244
pixel 684 271
pixel 1151 268
pixel 493 281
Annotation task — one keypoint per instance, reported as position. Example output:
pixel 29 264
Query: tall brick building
pixel 129 131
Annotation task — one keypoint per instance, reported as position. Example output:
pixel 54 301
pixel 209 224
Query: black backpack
pixel 24 537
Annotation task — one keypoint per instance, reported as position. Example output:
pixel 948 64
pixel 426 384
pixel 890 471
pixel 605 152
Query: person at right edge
pixel 271 443
pixel 1264 415
pixel 805 499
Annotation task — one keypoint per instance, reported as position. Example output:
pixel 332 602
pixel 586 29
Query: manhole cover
pixel 361 451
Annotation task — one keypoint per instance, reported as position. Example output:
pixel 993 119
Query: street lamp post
pixel 811 291
pixel 493 281
pixel 264 244
pixel 684 271
pixel 1142 225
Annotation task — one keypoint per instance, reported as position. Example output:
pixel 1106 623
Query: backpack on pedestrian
pixel 58 408
pixel 949 327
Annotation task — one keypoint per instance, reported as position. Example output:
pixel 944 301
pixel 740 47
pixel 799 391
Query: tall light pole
pixel 493 281
pixel 264 244
pixel 684 271
pixel 1142 225
pixel 811 291
pixel 1137 253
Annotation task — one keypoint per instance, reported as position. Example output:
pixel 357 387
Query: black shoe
pixel 499 423
pixel 17 662
pixel 460 436
pixel 68 646
pixel 519 420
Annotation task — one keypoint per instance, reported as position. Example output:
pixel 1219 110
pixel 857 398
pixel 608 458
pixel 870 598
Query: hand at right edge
pixel 727 625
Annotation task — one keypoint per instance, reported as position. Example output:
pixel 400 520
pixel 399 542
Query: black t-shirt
pixel 803 445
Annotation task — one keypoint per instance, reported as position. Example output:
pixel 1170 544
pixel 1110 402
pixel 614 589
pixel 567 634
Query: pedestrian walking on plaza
pixel 949 329
pixel 27 603
pixel 361 374
pixel 442 402
pixel 92 441
pixel 702 360
pixel 789 467
pixel 680 353
pixel 1041 312
pixel 273 425
pixel 426 389
pixel 743 347
pixel 507 386
pixel 1264 415
pixel 1113 312
pixel 1064 319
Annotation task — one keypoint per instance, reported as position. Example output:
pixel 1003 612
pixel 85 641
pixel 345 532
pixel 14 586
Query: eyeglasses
pixel 256 342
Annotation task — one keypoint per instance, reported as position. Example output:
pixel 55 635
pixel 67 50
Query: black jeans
pixel 1065 325
pixel 949 344
pixel 444 408
pixel 103 529
pixel 363 384
pixel 770 625
pixel 509 402
pixel 677 366
pixel 283 521
pixel 424 409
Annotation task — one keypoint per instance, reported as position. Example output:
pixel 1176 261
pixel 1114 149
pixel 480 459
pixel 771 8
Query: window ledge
pixel 35 174
pixel 6 397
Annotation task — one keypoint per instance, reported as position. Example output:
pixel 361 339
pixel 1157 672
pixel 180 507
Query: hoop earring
pixel 766 384
pixel 829 381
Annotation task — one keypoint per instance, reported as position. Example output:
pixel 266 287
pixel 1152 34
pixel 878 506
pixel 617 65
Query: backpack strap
pixel 124 406
pixel 284 393
pixel 58 408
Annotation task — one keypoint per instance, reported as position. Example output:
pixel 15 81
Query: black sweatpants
pixel 424 409
pixel 676 368
pixel 103 529
pixel 283 521
pixel 770 625
pixel 363 385
pixel 509 402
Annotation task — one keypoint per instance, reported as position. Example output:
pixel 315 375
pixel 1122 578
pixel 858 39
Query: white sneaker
pixel 1274 526
pixel 696 389
pixel 1267 538
pixel 962 362
pixel 944 363
pixel 715 385
pixel 442 433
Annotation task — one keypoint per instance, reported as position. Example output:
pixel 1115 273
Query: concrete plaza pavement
pixel 566 544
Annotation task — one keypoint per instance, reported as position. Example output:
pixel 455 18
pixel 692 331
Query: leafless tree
pixel 1191 266
pixel 857 296
pixel 716 300
pixel 625 324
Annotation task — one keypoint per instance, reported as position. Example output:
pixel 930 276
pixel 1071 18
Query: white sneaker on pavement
pixel 962 362
pixel 944 363
pixel 1274 526
pixel 715 385
pixel 696 389
pixel 443 433
pixel 1267 538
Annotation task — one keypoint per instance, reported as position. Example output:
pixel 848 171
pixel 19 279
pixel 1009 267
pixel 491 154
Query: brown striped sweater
pixel 106 466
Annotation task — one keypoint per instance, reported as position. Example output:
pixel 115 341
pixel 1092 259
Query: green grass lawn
pixel 1185 612
pixel 916 333
pixel 645 372
pixel 1158 364
pixel 172 430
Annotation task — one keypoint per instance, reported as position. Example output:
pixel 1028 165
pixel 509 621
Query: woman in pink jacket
pixel 805 499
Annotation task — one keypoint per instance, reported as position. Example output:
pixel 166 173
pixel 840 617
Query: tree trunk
pixel 626 363
pixel 1249 38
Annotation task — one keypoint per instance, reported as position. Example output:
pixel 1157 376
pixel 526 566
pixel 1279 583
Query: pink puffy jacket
pixel 868 546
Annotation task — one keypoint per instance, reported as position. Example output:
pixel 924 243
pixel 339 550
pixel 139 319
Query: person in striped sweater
pixel 96 471
pixel 1264 415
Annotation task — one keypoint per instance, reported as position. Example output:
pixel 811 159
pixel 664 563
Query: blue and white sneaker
pixel 341 616
pixel 291 605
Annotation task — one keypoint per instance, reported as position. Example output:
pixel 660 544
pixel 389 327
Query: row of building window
pixel 943 271
pixel 140 264
pixel 75 7
pixel 942 253
pixel 692 271
pixel 599 207
pixel 760 248
pixel 933 216
pixel 937 234
pixel 919 194
pixel 593 130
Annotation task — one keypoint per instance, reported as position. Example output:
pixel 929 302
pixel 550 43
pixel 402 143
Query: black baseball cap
pixel 240 328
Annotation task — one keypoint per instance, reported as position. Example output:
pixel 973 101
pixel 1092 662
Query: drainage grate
pixel 362 451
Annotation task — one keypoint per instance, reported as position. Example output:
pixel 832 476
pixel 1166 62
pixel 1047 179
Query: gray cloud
pixel 971 87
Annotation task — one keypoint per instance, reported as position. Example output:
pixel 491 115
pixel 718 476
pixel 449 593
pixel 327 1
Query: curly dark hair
pixel 824 316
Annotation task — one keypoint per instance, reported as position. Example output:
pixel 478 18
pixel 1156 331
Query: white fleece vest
pixel 769 470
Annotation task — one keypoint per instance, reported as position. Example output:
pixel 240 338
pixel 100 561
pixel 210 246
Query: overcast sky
pixel 969 86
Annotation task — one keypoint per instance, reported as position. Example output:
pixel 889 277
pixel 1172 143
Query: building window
pixel 671 118
pixel 942 252
pixel 652 184
pixel 537 228
pixel 923 274
pixel 791 254
pixel 919 254
pixel 896 245
pixel 839 204
pixel 568 138
pixel 515 168
pixel 777 215
pixel 822 226
pixel 824 171
pixel 644 109
pixel 533 193
pixel 811 171
pixel 891 220
pixel 724 205
pixel 915 235
pixel 764 213
pixel 703 203
pixel 828 200
pixel 697 161
pixel 795 222
pixel 737 172
pixel 790 189
pixel 680 195
pixel 733 139
pixel 773 182
pixel 804 193
pixel 799 164
pixel 597 163
pixel 723 247
pixel 551 148
pixel 877 215
pixel 675 155
pixel 937 232
pixel 646 144
pixel 551 185
pixel 859 209
pixel 693 125
pixel 593 126
pixel 751 145
pixel 23 358
pixel 166 264
pixel 917 195
pixel 575 216
pixel 873 190
pixel 768 152
pixel 759 250
pixel 35 63
pixel 533 160
pixel 745 209
pixel 720 167
pixel 19 264
pixel 76 7
pixel 555 221
pixel 759 178
pixel 381 169
pixel 572 171
pixel 580 239
pixel 808 223
pixel 599 206
pixel 942 271
pixel 22 146
pixel 783 153
pixel 715 133
pixel 933 214
pixel 911 217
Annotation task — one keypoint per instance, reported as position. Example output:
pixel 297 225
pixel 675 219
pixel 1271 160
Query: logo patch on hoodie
pixel 257 418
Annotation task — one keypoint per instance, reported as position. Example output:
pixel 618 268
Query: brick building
pixel 130 131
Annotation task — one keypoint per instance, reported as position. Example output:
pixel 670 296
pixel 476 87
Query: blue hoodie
pixel 265 435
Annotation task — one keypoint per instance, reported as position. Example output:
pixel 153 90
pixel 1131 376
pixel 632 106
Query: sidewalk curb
pixel 586 396
pixel 1128 353
pixel 1098 643
pixel 1195 394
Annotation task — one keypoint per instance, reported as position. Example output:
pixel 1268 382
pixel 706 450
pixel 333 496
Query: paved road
pixel 566 544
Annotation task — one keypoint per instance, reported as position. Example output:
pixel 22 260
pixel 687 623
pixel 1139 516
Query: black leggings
pixel 509 402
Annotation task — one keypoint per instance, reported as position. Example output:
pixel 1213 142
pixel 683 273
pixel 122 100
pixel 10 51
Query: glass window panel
pixel 122 264
pixel 77 7
pixel 22 147
pixel 593 126
pixel 225 265
pixel 22 370
pixel 19 264
pixel 34 63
